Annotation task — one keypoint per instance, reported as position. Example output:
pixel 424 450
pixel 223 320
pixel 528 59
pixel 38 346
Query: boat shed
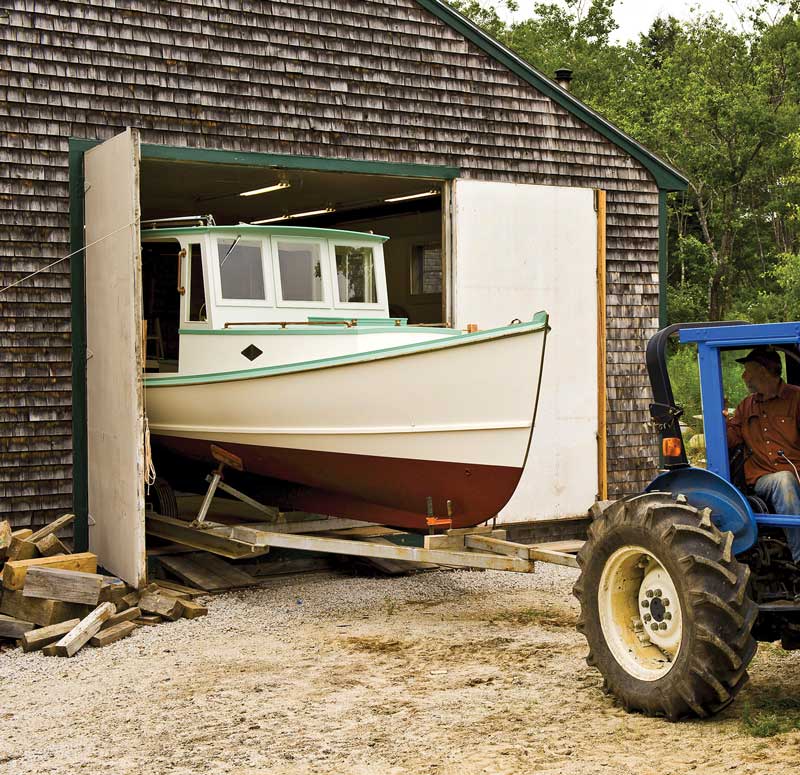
pixel 501 193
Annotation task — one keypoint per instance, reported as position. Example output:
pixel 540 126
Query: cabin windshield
pixel 300 271
pixel 241 269
pixel 355 275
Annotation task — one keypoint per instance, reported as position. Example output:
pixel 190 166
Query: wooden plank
pixel 207 572
pixel 152 603
pixel 192 610
pixel 68 586
pixel 44 636
pixel 316 525
pixel 5 538
pixel 112 634
pixel 50 546
pixel 488 544
pixel 128 601
pixel 21 548
pixel 81 633
pixel 14 628
pixel 556 558
pixel 571 546
pixel 50 651
pixel 148 620
pixel 175 587
pixel 41 612
pixel 14 571
pixel 127 615
pixel 52 527
pixel 113 590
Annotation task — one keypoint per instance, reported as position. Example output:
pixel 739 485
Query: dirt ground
pixel 448 673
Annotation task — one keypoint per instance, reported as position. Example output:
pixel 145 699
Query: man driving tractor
pixel 767 423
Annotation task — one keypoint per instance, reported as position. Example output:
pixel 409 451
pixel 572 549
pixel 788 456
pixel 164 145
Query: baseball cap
pixel 768 358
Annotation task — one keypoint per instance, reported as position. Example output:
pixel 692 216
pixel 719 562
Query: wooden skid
pixel 205 539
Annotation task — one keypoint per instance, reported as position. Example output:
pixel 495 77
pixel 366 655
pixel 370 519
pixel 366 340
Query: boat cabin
pixel 239 279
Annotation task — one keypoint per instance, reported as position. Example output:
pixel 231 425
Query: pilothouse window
pixel 241 270
pixel 301 271
pixel 355 275
pixel 197 311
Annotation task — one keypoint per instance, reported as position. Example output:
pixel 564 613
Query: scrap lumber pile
pixel 55 601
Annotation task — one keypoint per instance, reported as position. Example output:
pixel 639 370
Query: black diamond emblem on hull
pixel 251 352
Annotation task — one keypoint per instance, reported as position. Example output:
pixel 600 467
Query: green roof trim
pixel 316 163
pixel 539 322
pixel 666 176
pixel 261 231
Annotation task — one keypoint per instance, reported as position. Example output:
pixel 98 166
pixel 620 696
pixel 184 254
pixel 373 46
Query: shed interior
pixel 354 201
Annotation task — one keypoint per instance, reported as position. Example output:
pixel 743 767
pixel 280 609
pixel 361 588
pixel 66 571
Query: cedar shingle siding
pixel 376 80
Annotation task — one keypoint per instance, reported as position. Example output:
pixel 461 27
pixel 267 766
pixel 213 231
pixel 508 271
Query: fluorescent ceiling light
pixel 266 190
pixel 294 215
pixel 412 196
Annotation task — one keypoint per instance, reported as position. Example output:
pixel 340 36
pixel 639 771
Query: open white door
pixel 114 352
pixel 519 249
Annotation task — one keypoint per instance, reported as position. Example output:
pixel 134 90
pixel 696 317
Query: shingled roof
pixel 666 176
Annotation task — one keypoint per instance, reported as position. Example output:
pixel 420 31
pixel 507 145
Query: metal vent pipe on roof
pixel 563 77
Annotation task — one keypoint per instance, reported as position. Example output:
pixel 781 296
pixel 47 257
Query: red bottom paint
pixel 389 491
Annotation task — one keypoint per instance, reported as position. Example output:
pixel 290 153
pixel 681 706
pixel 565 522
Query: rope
pixel 64 258
pixel 150 475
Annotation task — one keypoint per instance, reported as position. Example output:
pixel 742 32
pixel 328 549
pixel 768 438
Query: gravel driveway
pixel 451 673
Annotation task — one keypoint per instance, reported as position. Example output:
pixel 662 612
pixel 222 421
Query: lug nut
pixel 665 601
pixel 645 603
pixel 662 626
pixel 667 615
pixel 647 617
pixel 649 593
pixel 657 593
pixel 654 626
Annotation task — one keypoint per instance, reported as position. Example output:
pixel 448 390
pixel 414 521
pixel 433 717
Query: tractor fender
pixel 704 489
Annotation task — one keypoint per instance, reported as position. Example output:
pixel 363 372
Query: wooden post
pixel 602 433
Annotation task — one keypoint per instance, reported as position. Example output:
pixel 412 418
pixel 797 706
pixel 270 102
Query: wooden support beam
pixel 128 615
pixel 207 572
pixel 190 592
pixel 554 557
pixel 14 571
pixel 82 632
pixel 21 547
pixel 52 527
pixel 44 636
pixel 68 586
pixel 191 610
pixel 113 590
pixel 50 546
pixel 182 533
pixel 41 612
pixel 152 603
pixel 14 628
pixel 498 546
pixel 112 634
pixel 5 538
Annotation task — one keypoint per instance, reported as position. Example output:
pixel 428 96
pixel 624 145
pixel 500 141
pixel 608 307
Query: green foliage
pixel 721 104
pixel 772 716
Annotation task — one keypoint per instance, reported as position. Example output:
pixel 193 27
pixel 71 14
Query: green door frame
pixel 77 148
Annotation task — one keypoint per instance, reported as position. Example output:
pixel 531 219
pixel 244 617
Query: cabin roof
pixel 264 231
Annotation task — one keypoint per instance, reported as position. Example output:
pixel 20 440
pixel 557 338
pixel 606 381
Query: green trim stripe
pixel 538 323
pixel 318 164
pixel 666 177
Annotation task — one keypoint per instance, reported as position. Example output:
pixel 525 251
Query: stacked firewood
pixel 55 600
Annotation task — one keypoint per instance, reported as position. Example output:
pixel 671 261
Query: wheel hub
pixel 640 613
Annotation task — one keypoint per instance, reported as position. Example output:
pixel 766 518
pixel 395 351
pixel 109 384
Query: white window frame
pixel 380 280
pixel 185 282
pixel 324 267
pixel 219 299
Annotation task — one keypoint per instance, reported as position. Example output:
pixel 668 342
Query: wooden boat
pixel 356 413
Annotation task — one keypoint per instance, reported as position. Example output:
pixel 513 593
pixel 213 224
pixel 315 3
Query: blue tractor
pixel 678 583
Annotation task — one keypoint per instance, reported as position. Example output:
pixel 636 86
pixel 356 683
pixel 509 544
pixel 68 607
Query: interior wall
pixel 406 232
pixel 519 249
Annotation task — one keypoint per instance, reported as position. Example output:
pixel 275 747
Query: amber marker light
pixel 671 447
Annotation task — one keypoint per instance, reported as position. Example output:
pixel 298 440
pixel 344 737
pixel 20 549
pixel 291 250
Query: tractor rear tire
pixel 685 656
pixel 162 497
